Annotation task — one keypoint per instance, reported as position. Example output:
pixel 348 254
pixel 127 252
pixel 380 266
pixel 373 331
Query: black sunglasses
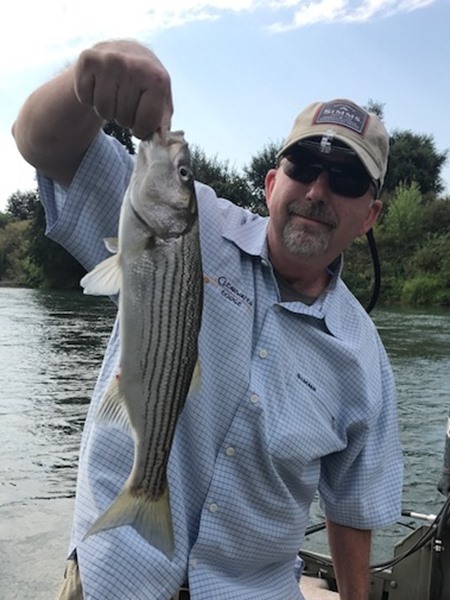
pixel 350 181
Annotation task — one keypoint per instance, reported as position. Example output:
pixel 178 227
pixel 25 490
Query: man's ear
pixel 372 216
pixel 269 182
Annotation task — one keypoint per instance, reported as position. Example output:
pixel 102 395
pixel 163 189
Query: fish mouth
pixel 165 137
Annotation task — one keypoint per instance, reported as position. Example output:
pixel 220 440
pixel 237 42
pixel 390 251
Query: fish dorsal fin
pixel 105 279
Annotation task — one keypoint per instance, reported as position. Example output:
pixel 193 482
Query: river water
pixel 51 345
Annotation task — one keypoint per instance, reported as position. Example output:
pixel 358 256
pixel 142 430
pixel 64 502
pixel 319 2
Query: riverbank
pixel 12 284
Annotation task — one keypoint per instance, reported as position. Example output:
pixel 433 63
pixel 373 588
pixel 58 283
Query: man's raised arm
pixel 117 80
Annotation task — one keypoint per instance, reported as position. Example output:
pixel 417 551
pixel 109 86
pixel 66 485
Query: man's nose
pixel 319 188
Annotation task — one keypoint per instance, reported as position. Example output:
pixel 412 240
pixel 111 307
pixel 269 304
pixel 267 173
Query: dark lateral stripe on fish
pixel 154 375
pixel 172 344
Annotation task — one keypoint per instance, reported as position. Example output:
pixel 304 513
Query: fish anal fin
pixel 105 279
pixel 150 518
pixel 113 407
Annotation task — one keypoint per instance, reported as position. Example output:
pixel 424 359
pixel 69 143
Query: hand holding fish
pixel 118 79
pixel 125 81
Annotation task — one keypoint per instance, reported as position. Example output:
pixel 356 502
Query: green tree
pixel 403 223
pixel 123 135
pixel 428 272
pixel 4 219
pixel 14 252
pixel 29 258
pixel 414 157
pixel 225 181
pixel 376 107
pixel 22 205
pixel 358 271
pixel 51 266
pixel 436 216
pixel 256 171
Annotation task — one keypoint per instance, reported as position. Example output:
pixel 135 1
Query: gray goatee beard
pixel 306 240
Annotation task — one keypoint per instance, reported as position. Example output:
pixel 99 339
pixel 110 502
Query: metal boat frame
pixel 419 569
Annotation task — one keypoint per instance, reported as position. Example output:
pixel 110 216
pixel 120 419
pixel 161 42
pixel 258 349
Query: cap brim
pixel 360 152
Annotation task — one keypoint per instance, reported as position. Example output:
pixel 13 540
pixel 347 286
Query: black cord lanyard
pixel 376 270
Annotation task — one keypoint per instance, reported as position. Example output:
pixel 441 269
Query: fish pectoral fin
pixel 150 518
pixel 112 245
pixel 105 279
pixel 196 377
pixel 113 408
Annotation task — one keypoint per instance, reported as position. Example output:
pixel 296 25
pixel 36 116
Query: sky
pixel 242 70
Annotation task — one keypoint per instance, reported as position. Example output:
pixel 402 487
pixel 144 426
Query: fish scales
pixel 159 273
pixel 178 348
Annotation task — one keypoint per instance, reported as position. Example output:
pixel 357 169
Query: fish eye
pixel 185 173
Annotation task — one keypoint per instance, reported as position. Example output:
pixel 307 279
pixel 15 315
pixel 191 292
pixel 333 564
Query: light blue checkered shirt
pixel 293 398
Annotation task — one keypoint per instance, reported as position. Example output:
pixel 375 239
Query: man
pixel 297 393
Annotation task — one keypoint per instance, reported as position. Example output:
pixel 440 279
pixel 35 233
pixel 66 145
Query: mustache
pixel 313 210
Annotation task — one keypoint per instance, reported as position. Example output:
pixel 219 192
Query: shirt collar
pixel 335 306
pixel 249 234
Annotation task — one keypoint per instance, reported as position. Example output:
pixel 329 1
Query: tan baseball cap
pixel 346 122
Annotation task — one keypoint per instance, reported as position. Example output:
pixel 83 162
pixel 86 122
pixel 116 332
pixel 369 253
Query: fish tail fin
pixel 152 519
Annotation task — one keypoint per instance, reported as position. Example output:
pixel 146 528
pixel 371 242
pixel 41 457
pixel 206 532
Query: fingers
pixel 148 113
pixel 127 83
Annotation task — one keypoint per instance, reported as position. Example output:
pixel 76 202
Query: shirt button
pixel 277 308
pixel 230 451
pixel 193 563
pixel 213 507
pixel 263 353
pixel 254 399
pixel 264 262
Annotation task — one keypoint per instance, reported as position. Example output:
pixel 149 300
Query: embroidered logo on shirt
pixel 230 291
pixel 306 382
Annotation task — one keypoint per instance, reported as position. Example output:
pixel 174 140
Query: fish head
pixel 162 191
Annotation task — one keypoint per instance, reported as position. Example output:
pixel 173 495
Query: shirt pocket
pixel 302 428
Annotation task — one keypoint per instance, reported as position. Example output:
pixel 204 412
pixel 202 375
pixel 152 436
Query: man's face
pixel 318 205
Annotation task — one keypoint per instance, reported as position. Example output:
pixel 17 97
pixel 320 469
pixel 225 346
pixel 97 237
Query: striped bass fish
pixel 157 268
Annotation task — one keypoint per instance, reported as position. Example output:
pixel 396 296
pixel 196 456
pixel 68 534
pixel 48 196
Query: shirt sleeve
pixel 81 216
pixel 361 486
